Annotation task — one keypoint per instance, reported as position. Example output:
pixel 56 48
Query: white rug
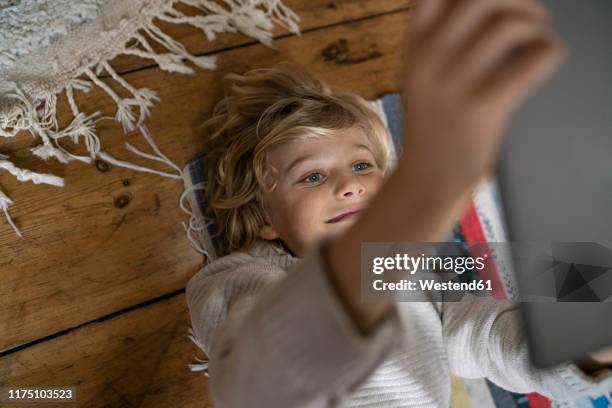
pixel 52 46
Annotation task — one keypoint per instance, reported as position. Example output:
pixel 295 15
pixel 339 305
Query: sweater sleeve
pixel 282 339
pixel 486 339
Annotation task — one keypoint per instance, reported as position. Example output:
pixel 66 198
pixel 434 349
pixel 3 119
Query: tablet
pixel 555 179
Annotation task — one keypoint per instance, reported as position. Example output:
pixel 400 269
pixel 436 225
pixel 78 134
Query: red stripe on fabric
pixel 470 224
pixel 474 234
pixel 538 401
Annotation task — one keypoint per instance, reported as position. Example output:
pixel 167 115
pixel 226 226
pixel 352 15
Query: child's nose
pixel 350 185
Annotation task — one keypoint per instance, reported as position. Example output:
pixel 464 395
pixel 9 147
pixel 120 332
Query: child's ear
pixel 268 232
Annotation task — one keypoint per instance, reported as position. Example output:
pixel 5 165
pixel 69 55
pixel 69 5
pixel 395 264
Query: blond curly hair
pixel 261 109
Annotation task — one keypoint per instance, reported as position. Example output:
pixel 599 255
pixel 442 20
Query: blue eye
pixel 309 177
pixel 368 165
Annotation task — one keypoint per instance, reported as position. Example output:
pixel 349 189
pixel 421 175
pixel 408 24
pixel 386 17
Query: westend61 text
pixel 430 284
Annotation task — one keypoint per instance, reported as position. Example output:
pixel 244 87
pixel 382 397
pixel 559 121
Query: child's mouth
pixel 344 216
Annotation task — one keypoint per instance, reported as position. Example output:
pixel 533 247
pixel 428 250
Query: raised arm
pixel 460 87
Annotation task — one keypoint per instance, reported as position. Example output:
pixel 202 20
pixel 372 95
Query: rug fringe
pixel 197 243
pixel 202 364
pixel 5 201
pixel 37 114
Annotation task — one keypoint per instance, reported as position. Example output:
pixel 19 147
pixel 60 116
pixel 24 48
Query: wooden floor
pixel 93 297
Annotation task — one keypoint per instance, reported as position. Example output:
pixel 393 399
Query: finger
pixel 417 23
pixel 493 43
pixel 425 14
pixel 464 20
pixel 603 356
pixel 511 85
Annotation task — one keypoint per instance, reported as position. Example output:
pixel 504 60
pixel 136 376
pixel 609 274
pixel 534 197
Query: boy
pixel 299 176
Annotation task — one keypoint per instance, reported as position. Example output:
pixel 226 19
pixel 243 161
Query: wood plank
pixel 87 254
pixel 113 363
pixel 313 14
pixel 174 385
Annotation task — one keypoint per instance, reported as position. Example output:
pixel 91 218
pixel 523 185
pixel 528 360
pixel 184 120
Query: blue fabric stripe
pixel 196 171
pixel 501 397
pixel 392 106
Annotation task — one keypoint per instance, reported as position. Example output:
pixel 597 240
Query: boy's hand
pixel 467 66
pixel 597 360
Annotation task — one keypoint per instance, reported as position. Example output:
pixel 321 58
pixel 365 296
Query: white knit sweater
pixel 277 335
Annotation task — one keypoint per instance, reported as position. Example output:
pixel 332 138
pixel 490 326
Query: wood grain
pixel 313 14
pixel 117 362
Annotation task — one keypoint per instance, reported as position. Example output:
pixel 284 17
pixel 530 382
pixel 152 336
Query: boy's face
pixel 337 176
